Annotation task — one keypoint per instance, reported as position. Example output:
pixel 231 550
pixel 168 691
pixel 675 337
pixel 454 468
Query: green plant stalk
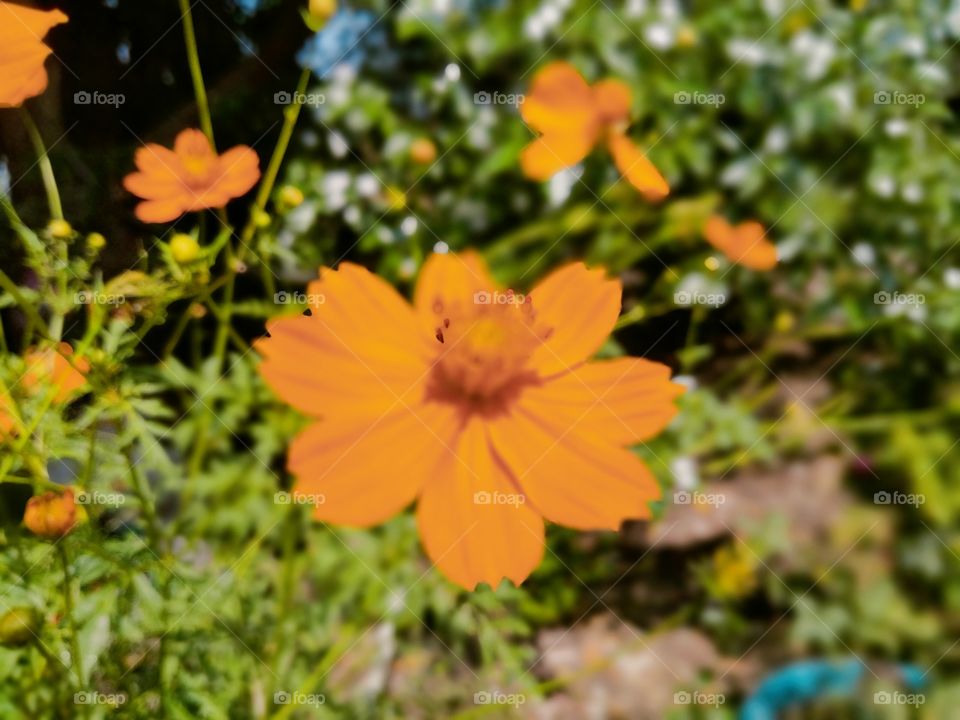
pixel 196 74
pixel 225 315
pixel 288 578
pixel 76 657
pixel 46 169
pixel 31 312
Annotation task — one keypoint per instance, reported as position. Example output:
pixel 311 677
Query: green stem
pixel 11 287
pixel 46 169
pixel 196 74
pixel 76 659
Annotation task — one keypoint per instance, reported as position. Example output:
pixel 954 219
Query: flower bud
pixel 184 248
pixel 290 196
pixel 319 11
pixel 51 515
pixel 60 229
pixel 96 241
pixel 423 151
pixel 19 626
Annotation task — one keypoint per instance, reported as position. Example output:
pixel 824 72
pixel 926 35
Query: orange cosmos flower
pixel 745 243
pixel 53 367
pixel 574 117
pixel 190 177
pixel 51 515
pixel 23 52
pixel 482 404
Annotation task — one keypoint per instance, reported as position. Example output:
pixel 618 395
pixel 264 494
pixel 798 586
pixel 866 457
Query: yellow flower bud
pixel 59 229
pixel 321 10
pixel 686 36
pixel 261 219
pixel 19 626
pixel 184 248
pixel 423 151
pixel 96 241
pixel 290 196
pixel 396 198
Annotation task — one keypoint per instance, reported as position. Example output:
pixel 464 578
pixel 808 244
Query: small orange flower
pixel 481 403
pixel 53 367
pixel 745 243
pixel 573 118
pixel 51 515
pixel 190 177
pixel 23 52
pixel 7 423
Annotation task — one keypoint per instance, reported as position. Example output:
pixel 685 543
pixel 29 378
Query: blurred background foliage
pixel 812 388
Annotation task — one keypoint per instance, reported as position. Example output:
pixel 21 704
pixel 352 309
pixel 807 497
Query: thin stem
pixel 46 169
pixel 76 660
pixel 193 58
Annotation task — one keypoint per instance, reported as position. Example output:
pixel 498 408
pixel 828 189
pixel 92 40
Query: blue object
pixel 248 7
pixel 806 681
pixel 344 40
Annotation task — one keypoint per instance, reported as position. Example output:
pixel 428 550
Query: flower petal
pixel 559 101
pixel 549 154
pixel 625 401
pixel 475 524
pixel 359 354
pixel 573 478
pixel 581 306
pixel 366 471
pixel 613 100
pixel 447 280
pixel 636 168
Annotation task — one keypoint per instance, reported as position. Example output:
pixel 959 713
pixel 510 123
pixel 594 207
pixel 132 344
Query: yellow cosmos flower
pixel 483 404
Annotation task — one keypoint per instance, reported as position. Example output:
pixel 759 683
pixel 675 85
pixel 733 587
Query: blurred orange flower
pixel 573 118
pixel 190 177
pixel 745 244
pixel 51 515
pixel 481 403
pixel 53 367
pixel 23 52
pixel 46 367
